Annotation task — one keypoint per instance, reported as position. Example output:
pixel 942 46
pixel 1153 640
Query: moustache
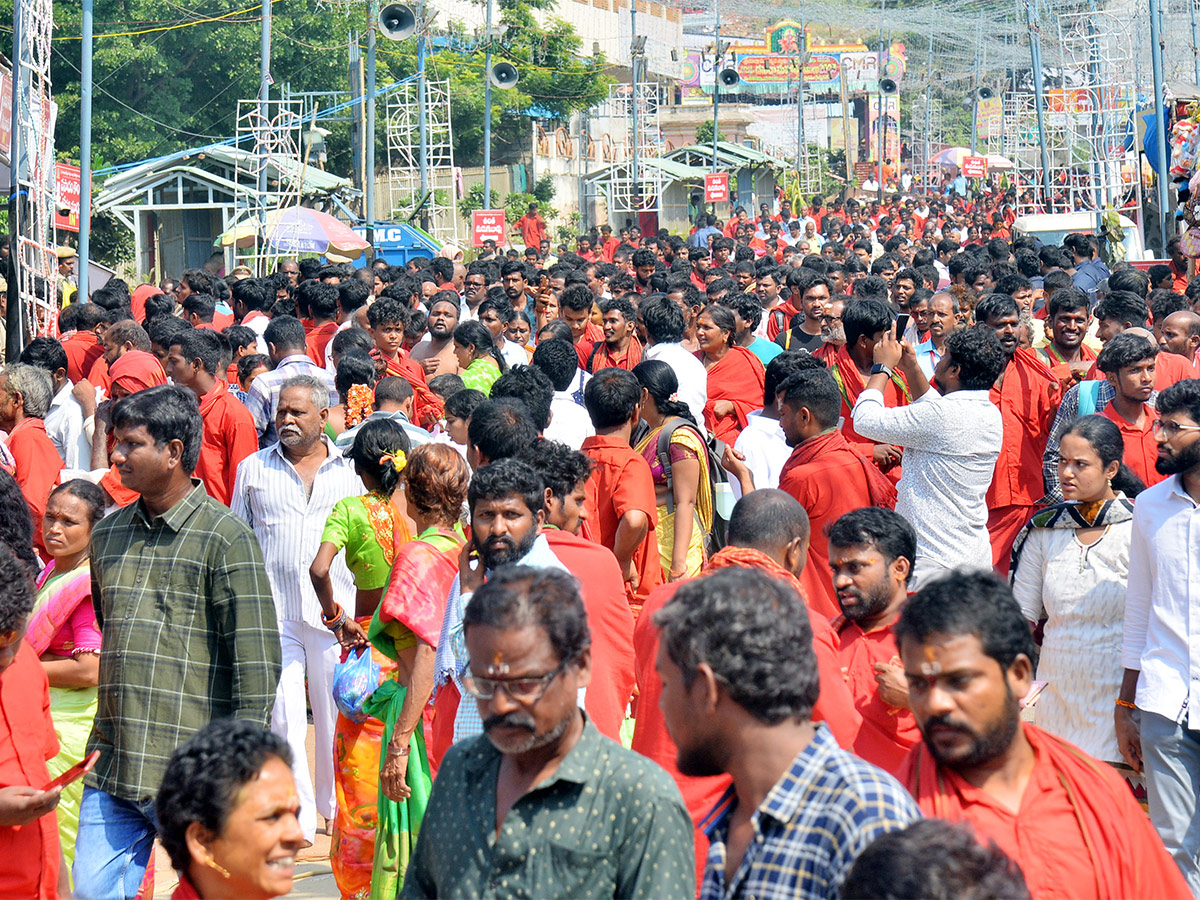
pixel 947 724
pixel 511 720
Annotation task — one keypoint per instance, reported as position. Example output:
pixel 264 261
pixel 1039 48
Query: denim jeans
pixel 113 849
pixel 1171 754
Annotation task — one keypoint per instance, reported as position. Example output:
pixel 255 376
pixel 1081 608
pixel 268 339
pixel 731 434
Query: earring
pixel 213 864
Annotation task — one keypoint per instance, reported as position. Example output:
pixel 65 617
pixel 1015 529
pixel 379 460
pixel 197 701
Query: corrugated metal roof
pixel 675 169
pixel 731 155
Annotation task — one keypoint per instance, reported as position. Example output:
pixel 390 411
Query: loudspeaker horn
pixel 397 21
pixel 504 75
pixel 888 86
pixel 729 77
pixel 985 93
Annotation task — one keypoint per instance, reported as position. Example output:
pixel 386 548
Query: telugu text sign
pixel 487 225
pixel 66 182
pixel 716 187
pixel 975 166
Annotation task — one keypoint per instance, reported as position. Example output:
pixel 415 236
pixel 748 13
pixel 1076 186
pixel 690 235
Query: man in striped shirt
pixel 285 493
pixel 739 680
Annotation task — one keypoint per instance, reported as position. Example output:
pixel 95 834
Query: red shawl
pixel 881 490
pixel 739 377
pixel 775 324
pixel 137 370
pixel 851 384
pixel 417 590
pixel 1128 858
pixel 427 407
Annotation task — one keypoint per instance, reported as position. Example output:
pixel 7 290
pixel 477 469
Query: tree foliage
pixel 166 90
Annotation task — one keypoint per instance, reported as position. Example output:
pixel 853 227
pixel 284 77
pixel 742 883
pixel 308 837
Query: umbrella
pixel 298 230
pixel 953 156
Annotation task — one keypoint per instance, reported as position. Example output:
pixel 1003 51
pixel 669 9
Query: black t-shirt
pixel 795 339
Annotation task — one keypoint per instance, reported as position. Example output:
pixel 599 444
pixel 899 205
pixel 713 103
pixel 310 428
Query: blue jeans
pixel 113 848
pixel 1171 754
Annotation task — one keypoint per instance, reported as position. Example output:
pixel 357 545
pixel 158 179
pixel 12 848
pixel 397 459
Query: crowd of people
pixel 846 551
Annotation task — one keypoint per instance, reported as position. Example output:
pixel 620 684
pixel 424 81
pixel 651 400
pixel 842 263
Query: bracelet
pixel 336 621
pixel 403 752
pixel 1125 703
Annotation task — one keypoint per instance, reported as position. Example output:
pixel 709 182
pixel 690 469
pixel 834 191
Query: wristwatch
pixel 881 369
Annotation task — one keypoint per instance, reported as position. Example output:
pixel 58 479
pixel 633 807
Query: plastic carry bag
pixel 353 682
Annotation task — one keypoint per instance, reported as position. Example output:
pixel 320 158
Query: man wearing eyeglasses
pixel 1157 714
pixel 542 805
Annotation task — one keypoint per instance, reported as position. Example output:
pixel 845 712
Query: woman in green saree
pixel 405 628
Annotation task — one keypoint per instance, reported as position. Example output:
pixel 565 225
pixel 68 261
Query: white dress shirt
pixel 951 444
pixel 690 372
pixel 64 427
pixel 1162 603
pixel 570 423
pixel 765 450
pixel 270 496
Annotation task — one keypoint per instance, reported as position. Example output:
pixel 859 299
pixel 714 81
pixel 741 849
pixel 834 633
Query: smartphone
pixel 901 325
pixel 74 773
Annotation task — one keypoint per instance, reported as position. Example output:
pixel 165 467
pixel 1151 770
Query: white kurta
pixel 1081 591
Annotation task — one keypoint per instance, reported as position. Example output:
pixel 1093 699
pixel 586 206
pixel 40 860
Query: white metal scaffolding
pixel 274 140
pixel 36 114
pixel 405 197
pixel 631 192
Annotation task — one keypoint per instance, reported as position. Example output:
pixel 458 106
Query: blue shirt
pixel 765 350
pixel 825 810
pixel 927 358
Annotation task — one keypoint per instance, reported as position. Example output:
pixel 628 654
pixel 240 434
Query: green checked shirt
pixel 607 823
pixel 189 636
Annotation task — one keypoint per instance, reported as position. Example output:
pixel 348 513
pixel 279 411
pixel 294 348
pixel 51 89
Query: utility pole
pixel 1160 126
pixel 422 113
pixel 975 94
pixel 369 138
pixel 15 338
pixel 928 99
pixel 633 62
pixel 800 154
pixel 716 87
pixel 1195 38
pixel 264 98
pixel 85 152
pixel 487 111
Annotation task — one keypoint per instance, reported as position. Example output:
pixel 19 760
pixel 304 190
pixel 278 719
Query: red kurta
pixel 738 377
pixel 83 349
pixel 591 333
pixel 611 623
pixel 830 478
pixel 888 732
pixel 1168 369
pixel 619 484
pixel 1141 449
pixel 1027 402
pixel 317 340
pixel 29 854
pixel 229 437
pixel 851 383
pixel 1078 833
pixel 650 738
pixel 779 319
pixel 38 467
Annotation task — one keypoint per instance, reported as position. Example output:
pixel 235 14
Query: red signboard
pixel 487 225
pixel 66 181
pixel 716 187
pixel 974 166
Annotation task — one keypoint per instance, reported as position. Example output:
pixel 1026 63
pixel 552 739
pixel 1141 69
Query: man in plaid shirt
pixel 739 680
pixel 189 629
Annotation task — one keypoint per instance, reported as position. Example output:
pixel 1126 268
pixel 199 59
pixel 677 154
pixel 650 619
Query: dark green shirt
pixel 189 635
pixel 607 823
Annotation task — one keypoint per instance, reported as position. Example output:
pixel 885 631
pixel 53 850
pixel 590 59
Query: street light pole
pixel 85 151
pixel 422 112
pixel 369 139
pixel 716 87
pixel 1160 126
pixel 487 112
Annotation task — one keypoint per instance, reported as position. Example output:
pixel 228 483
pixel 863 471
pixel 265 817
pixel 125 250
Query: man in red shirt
pixel 575 308
pixel 871 553
pixel 322 302
pixel 30 861
pixel 229 432
pixel 620 491
pixel 80 322
pixel 1027 396
pixel 531 227
pixel 1128 363
pixel 1180 334
pixel 864 323
pixel 1069 821
pixel 25 396
pixel 566 472
pixel 1122 310
pixel 620 348
pixel 825 473
pixel 768 531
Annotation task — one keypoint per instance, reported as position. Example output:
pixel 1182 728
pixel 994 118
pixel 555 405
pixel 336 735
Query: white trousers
pixel 312 651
